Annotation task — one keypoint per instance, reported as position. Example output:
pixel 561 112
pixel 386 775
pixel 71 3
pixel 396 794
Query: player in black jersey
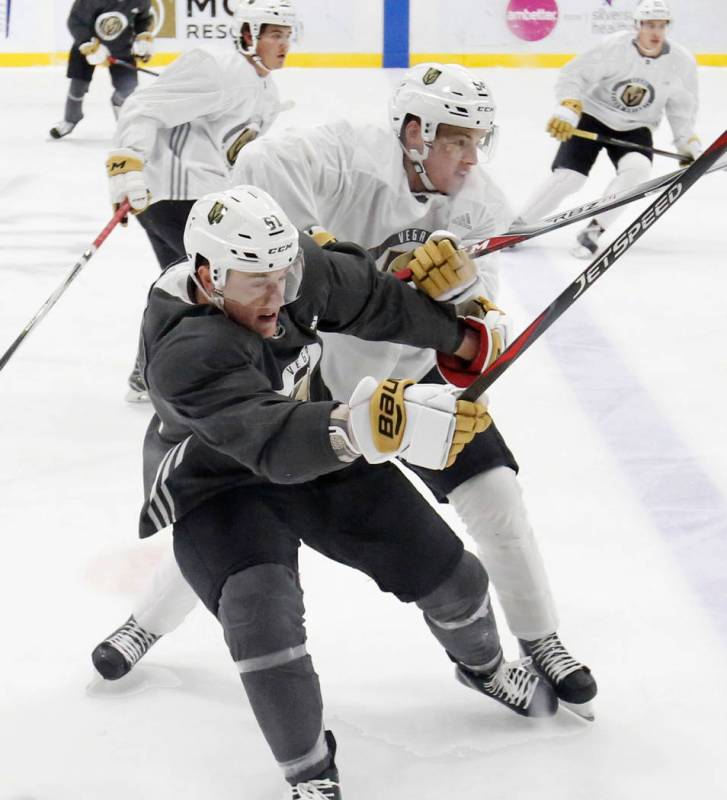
pixel 103 29
pixel 247 456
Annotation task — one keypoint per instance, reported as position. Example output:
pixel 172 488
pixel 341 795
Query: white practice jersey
pixel 351 181
pixel 625 90
pixel 190 124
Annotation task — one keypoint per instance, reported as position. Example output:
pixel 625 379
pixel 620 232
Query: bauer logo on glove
pixel 422 423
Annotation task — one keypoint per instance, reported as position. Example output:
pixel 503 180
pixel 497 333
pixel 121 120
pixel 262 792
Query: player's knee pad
pixel 261 611
pixel 459 598
pixel 633 168
pixel 491 505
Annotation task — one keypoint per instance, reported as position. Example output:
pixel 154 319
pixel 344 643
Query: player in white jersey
pixel 391 193
pixel 621 88
pixel 179 138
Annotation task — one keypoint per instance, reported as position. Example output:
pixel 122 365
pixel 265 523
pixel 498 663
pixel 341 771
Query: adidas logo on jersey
pixel 463 220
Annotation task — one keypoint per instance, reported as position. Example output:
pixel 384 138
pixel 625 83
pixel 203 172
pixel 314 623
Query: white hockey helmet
pixel 442 94
pixel 651 9
pixel 245 230
pixel 256 13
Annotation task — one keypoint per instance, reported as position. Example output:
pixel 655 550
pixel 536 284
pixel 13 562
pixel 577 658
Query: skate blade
pixel 582 710
pixel 133 396
pixel 140 679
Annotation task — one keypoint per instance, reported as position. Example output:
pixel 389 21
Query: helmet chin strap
pixel 417 161
pixel 217 299
pixel 257 62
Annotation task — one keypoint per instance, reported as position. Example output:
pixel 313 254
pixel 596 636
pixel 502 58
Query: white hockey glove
pixel 491 326
pixel 440 268
pixel 96 54
pixel 691 150
pixel 125 169
pixel 422 423
pixel 565 120
pixel 143 46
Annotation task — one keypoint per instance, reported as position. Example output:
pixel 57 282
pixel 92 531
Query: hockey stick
pixel 120 213
pixel 597 137
pixel 552 223
pixel 129 65
pixel 597 268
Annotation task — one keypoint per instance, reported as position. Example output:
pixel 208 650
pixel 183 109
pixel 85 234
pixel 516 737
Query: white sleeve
pixel 495 218
pixel 681 107
pixel 579 74
pixel 300 169
pixel 190 88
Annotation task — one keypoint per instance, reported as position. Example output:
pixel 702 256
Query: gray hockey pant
pixel 261 612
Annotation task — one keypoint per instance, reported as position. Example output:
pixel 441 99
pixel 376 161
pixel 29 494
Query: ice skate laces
pixel 513 682
pixel 323 789
pixel 132 640
pixel 552 657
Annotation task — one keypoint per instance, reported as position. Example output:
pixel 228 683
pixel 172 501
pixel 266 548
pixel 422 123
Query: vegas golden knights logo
pixel 234 150
pixel 110 26
pixel 431 75
pixel 217 211
pixel 633 95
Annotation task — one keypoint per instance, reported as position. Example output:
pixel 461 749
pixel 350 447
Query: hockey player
pixel 100 29
pixel 621 88
pixel 178 138
pixel 393 191
pixel 247 455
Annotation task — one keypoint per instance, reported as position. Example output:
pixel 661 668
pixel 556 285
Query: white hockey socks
pixel 633 168
pixel 166 599
pixel 491 507
pixel 561 183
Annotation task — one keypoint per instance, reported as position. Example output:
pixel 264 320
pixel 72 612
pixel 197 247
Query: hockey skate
pixel 513 685
pixel 572 681
pixel 324 786
pixel 137 391
pixel 588 240
pixel 63 128
pixel 120 651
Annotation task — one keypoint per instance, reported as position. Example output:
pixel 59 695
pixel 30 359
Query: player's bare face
pixel 452 156
pixel 273 45
pixel 651 36
pixel 254 299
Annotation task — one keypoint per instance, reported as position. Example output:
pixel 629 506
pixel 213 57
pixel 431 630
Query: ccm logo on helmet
pixel 280 249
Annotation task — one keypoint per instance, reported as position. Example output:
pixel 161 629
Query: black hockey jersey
pixel 114 22
pixel 233 408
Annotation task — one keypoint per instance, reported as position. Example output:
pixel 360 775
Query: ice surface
pixel 617 417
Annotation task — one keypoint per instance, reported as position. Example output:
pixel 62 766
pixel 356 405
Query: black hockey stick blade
pixel 598 267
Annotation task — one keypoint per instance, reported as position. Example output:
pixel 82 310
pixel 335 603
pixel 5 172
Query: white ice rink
pixel 617 417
